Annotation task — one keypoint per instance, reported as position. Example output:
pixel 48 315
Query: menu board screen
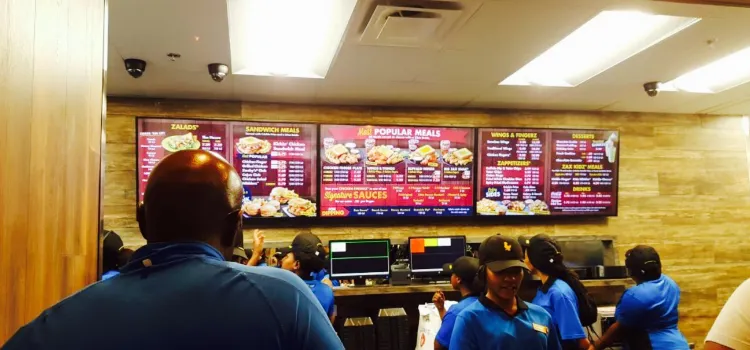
pixel 276 162
pixel 370 171
pixel 547 172
pixel 158 138
pixel 277 165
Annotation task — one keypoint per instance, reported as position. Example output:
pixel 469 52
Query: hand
pixel 439 300
pixel 592 347
pixel 258 239
pixel 327 282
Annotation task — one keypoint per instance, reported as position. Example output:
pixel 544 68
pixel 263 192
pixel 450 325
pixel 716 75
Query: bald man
pixel 178 291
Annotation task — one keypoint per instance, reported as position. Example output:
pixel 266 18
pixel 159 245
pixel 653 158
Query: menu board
pixel 277 164
pixel 370 171
pixel 158 138
pixel 547 172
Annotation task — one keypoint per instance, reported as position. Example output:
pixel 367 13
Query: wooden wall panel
pixel 684 185
pixel 51 69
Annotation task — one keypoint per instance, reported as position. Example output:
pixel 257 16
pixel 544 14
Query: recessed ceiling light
pixel 717 76
pixel 293 38
pixel 599 44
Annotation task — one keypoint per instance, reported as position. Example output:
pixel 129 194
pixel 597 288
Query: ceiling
pixel 463 71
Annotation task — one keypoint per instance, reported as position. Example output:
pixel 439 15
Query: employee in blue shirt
pixel 499 319
pixel 305 257
pixel 179 291
pixel 560 292
pixel 463 279
pixel 646 316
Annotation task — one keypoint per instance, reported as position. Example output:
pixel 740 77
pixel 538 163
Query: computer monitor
pixel 429 254
pixel 360 258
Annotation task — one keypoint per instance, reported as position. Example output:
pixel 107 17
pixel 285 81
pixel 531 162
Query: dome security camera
pixel 218 71
pixel 135 67
pixel 652 88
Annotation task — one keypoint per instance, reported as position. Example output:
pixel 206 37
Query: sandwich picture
pixel 301 207
pixel 282 194
pixel 340 154
pixel 253 145
pixel 459 157
pixel 424 155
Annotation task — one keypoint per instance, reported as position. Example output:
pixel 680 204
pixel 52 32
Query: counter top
pixel 446 287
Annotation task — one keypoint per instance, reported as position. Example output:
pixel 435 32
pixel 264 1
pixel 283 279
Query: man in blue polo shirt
pixel 500 320
pixel 305 257
pixel 178 291
pixel 463 279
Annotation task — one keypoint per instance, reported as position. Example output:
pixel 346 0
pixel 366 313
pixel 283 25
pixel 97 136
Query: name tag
pixel 539 328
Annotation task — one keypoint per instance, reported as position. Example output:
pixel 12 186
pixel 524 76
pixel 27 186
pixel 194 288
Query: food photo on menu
pixel 276 163
pixel 396 171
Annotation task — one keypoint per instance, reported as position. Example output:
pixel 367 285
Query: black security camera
pixel 652 88
pixel 135 67
pixel 218 71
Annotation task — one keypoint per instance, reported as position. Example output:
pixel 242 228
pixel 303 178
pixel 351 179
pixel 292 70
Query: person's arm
pixel 608 338
pixel 443 336
pixel 463 337
pixel 258 241
pixel 731 330
pixel 565 317
pixel 439 300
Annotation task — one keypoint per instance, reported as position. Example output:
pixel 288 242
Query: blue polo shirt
pixel 562 304
pixel 323 293
pixel 446 328
pixel 185 296
pixel 485 326
pixel 649 314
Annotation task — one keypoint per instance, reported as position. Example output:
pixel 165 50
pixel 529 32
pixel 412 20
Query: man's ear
pixel 296 265
pixel 232 228
pixel 140 216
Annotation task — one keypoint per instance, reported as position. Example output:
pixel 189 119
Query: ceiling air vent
pixel 415 23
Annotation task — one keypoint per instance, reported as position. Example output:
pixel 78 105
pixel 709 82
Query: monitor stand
pixel 360 282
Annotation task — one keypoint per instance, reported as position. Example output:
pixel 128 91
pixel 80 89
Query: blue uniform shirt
pixel 323 293
pixel 185 296
pixel 323 274
pixel 446 328
pixel 649 313
pixel 562 304
pixel 485 326
pixel 109 274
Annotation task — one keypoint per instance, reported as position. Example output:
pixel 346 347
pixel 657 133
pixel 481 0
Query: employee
pixel 561 294
pixel 646 316
pixel 114 255
pixel 305 257
pixel 463 272
pixel 499 319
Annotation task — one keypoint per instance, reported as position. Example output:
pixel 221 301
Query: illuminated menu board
pixel 277 165
pixel 158 138
pixel 277 162
pixel 370 171
pixel 547 172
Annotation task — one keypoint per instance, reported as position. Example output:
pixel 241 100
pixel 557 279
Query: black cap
pixel 111 247
pixel 641 256
pixel 464 267
pixel 543 250
pixel 500 253
pixel 303 243
pixel 524 241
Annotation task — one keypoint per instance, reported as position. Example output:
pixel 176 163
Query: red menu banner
pixel 158 138
pixel 277 165
pixel 396 171
pixel 547 172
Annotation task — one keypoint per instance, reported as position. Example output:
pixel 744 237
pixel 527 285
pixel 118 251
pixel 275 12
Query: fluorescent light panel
pixel 601 43
pixel 294 38
pixel 723 74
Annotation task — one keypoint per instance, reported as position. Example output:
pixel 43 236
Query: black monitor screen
pixel 360 258
pixel 429 254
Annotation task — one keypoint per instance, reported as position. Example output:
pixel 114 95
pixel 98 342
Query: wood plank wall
pixel 51 70
pixel 684 186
